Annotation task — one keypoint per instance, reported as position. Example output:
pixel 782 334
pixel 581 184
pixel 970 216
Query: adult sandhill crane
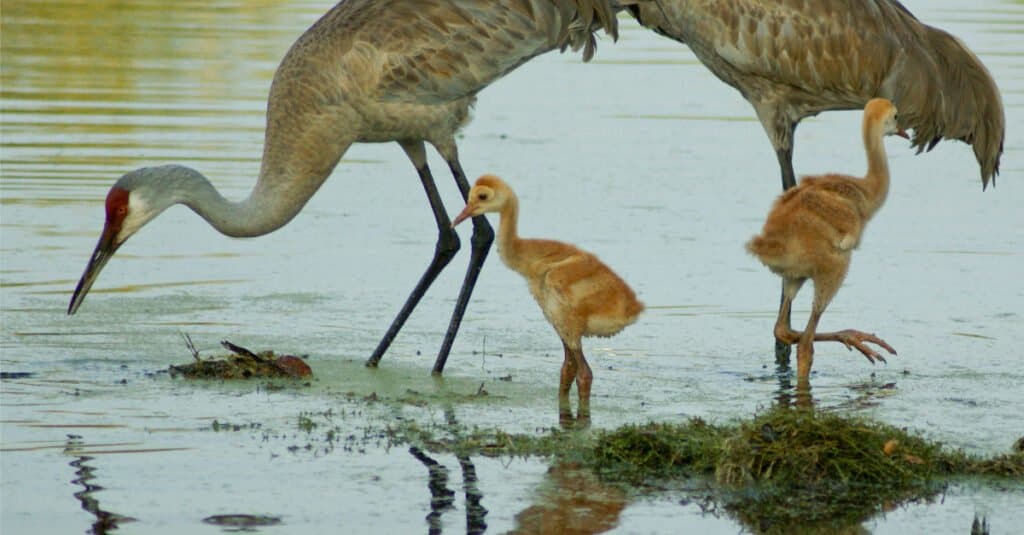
pixel 368 71
pixel 579 295
pixel 812 230
pixel 793 60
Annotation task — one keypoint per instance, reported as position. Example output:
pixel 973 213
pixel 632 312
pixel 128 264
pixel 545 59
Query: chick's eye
pixel 481 196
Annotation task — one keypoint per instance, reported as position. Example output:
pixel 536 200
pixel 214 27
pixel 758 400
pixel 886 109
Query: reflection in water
pixel 91 89
pixel 755 525
pixel 105 520
pixel 442 498
pixel 573 501
pixel 786 395
pixel 475 512
pixel 566 419
pixel 979 527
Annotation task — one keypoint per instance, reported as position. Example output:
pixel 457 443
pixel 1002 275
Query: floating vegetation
pixel 824 468
pixel 241 364
pixel 637 454
pixel 782 466
pixel 242 522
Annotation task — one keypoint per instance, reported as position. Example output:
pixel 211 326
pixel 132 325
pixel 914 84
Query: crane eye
pixel 481 196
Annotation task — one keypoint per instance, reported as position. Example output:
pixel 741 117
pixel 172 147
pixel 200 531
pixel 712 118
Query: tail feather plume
pixel 953 96
pixel 764 247
pixel 591 15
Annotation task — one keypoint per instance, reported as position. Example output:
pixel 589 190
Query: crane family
pixel 409 71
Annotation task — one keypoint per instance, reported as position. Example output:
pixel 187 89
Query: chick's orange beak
pixel 466 213
pixel 902 133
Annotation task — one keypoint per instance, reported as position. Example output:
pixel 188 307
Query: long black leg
pixel 483 237
pixel 785 155
pixel 444 251
pixel 783 350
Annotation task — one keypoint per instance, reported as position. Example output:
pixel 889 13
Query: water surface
pixel 641 156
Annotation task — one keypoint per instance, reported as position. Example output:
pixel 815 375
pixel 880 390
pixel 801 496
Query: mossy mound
pixel 793 465
pixel 242 364
pixel 809 448
pixel 825 469
pixel 783 467
pixel 639 453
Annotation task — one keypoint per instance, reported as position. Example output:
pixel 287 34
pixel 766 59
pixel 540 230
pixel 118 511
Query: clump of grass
pixel 783 466
pixel 822 467
pixel 637 453
pixel 1010 465
pixel 809 448
pixel 787 465
pixel 457 439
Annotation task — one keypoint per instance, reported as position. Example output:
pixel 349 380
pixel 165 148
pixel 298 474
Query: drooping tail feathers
pixel 960 101
pixel 590 15
pixel 765 248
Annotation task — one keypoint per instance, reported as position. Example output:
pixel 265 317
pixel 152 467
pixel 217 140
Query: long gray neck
pixel 265 210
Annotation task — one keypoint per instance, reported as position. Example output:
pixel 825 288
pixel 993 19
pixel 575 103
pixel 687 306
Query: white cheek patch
pixel 138 215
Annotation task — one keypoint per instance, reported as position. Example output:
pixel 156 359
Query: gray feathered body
pixel 392 70
pixel 793 59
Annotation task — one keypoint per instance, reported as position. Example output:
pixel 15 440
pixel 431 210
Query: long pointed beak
pixel 105 249
pixel 902 133
pixel 466 213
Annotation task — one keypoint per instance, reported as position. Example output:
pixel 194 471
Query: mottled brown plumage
pixel 579 295
pixel 793 59
pixel 812 230
pixel 368 71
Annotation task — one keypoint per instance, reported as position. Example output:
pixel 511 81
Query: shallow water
pixel 640 156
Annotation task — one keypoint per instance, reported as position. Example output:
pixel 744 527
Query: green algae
pixel 783 465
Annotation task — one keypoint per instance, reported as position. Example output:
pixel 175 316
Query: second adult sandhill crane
pixel 793 60
pixel 368 71
pixel 579 295
pixel 812 230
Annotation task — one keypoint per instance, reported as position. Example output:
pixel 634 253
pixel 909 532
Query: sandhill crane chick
pixel 793 60
pixel 579 295
pixel 812 230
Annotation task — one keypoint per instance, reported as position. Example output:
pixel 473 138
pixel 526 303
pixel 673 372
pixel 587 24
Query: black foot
pixel 782 353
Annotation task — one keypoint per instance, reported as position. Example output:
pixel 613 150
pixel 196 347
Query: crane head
pixel 884 112
pixel 488 194
pixel 126 213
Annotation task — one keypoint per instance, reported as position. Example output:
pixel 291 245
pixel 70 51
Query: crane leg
pixel 783 349
pixel 483 237
pixel 785 156
pixel 447 245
